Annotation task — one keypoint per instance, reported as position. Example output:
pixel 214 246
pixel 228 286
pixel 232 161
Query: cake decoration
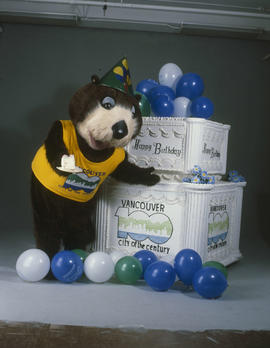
pixel 209 280
pixel 176 94
pixel 234 176
pixel 199 176
pixel 190 85
pixel 169 75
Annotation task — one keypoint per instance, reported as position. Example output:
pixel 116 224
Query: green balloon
pixel 82 253
pixel 218 266
pixel 128 269
pixel 144 105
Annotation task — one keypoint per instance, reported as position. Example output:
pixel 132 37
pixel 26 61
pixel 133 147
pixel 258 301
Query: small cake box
pixel 178 144
pixel 171 216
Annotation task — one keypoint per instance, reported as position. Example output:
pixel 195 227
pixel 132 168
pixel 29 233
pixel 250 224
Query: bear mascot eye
pixel 133 111
pixel 108 103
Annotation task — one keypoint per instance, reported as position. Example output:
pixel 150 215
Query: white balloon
pixel 33 265
pixel 169 75
pixel 182 107
pixel 116 255
pixel 98 267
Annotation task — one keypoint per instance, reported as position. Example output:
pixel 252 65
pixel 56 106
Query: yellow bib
pixel 81 185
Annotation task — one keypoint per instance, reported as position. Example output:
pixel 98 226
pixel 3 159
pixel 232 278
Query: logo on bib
pixel 80 181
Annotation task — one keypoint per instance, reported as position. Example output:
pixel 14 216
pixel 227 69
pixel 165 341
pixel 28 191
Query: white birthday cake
pixel 191 207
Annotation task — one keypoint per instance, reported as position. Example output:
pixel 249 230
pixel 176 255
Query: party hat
pixel 118 77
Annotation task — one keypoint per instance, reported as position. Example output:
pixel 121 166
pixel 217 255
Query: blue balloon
pixel 162 106
pixel 202 107
pixel 159 90
pixel 160 275
pixel 209 282
pixel 186 263
pixel 67 266
pixel 145 86
pixel 190 86
pixel 146 257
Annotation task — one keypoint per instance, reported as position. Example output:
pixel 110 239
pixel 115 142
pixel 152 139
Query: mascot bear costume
pixel 79 154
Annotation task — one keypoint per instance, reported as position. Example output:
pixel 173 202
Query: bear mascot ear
pixel 138 97
pixel 95 79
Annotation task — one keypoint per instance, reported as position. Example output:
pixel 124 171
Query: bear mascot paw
pixel 79 154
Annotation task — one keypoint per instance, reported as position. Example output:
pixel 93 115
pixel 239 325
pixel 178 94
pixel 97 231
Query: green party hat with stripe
pixel 118 77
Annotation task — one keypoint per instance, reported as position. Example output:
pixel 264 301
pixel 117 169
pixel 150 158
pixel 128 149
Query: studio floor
pixel 245 305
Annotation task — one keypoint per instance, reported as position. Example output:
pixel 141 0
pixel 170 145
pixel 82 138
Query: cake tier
pixel 178 144
pixel 169 217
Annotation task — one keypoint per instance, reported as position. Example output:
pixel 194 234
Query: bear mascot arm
pixel 55 147
pixel 132 174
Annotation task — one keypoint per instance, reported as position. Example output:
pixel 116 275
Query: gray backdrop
pixel 42 66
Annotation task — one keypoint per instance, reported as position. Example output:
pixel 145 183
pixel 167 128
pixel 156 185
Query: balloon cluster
pixel 234 176
pixel 199 176
pixel 175 95
pixel 208 279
